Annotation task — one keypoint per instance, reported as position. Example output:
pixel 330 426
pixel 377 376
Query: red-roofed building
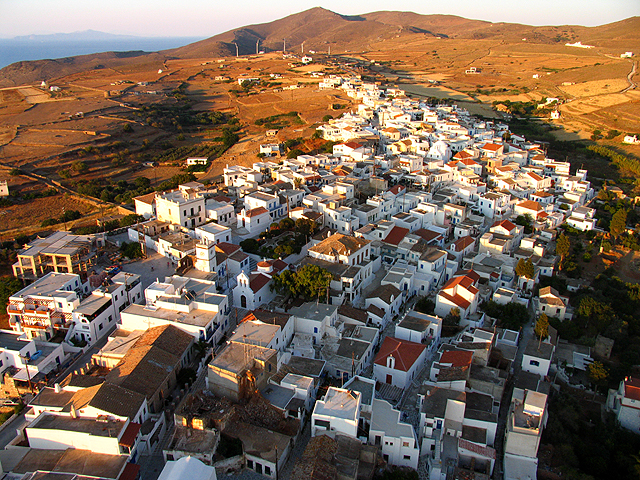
pixel 254 290
pixel 398 361
pixel 528 207
pixel 395 236
pixel 491 150
pixel 463 246
pixel 352 149
pixel 254 221
pixel 459 292
pixel 625 403
pixel 453 365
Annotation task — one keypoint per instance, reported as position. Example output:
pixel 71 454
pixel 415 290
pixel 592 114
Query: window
pixel 249 463
pixel 100 327
pixel 170 457
pixel 267 470
pixel 407 457
pixel 405 444
pixel 535 363
pixel 322 423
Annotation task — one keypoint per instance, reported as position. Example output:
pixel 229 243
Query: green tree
pixel 8 286
pixel 597 373
pixel 294 153
pixel 542 327
pixel 79 166
pixel 563 245
pixel 131 250
pixel 310 282
pixel 618 223
pixel 452 318
pixel 520 268
pixel 285 283
pixel 425 305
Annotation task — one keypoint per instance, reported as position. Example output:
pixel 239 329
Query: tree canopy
pixel 542 327
pixel 563 245
pixel 618 223
pixel 310 282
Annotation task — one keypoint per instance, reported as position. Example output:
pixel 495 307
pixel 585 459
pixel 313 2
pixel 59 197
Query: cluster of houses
pixel 414 201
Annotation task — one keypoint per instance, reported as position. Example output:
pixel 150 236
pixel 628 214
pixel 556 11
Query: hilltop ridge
pixel 321 29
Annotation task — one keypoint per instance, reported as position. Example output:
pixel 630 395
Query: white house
pixel 194 306
pixel 398 361
pixel 537 357
pixel 254 221
pixel 388 298
pixel 459 292
pixel 397 440
pixel 625 403
pixel 551 303
pixel 419 328
pixel 337 412
pixel 254 289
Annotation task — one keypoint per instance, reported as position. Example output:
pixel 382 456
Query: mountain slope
pixel 321 29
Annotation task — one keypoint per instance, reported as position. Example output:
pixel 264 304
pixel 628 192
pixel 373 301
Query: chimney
pixel 57 388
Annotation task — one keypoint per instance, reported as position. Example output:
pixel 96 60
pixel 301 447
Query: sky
pixel 204 18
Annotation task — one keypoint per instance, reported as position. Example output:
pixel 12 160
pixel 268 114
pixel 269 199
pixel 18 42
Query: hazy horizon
pixel 198 18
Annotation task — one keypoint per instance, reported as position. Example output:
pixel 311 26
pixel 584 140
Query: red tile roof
pixel 255 212
pixel 456 299
pixel 406 353
pixel 226 247
pixel 464 281
pixel 632 388
pixel 506 224
pixel 395 236
pixel 530 205
pixel 462 243
pixel 427 235
pixel 397 189
pixel 130 472
pixel 535 176
pixel 257 281
pixel 457 358
pixel 462 155
pixel 492 147
pixel 149 198
pixel 222 198
pixel 486 452
pixel 128 438
pixel 352 145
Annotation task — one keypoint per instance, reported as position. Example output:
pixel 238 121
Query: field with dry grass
pixel 99 119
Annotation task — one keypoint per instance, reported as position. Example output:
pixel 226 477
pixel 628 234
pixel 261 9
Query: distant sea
pixel 16 50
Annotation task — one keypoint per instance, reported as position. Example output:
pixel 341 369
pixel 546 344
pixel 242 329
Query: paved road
pixel 9 428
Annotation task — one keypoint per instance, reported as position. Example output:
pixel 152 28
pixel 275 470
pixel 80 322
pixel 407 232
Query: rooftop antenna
pixel 237 52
